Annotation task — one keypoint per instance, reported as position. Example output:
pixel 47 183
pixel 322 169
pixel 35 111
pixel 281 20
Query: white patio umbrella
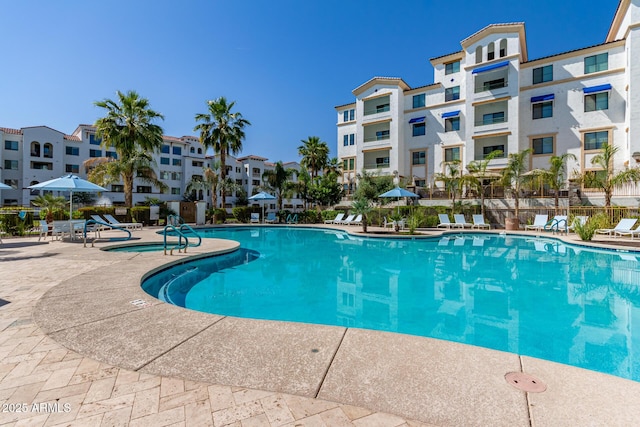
pixel 70 183
pixel 4 186
pixel 262 196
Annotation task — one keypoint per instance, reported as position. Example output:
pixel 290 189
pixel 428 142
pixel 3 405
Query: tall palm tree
pixel 605 179
pixel 129 127
pixel 333 166
pixel 478 174
pixel 452 178
pixel 279 181
pixel 314 154
pixel 303 185
pixel 210 181
pixel 138 164
pixel 223 131
pixel 556 175
pixel 513 176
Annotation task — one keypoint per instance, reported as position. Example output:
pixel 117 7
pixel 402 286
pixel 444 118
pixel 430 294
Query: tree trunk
pixel 127 182
pixel 223 174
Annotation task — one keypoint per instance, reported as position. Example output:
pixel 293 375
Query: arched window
pixel 48 150
pixel 478 54
pixel 200 195
pixel 192 150
pixel 35 149
pixel 491 51
pixel 503 48
pixel 199 150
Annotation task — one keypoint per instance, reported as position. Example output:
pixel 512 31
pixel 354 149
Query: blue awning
pixel 417 119
pixel 490 67
pixel 542 98
pixel 594 89
pixel 451 114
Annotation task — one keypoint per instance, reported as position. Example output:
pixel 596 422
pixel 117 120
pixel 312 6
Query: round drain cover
pixel 525 382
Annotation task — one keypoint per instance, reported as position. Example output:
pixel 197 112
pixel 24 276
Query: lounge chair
pixel 356 221
pixel 101 223
pixel 335 220
pixel 461 221
pixel 388 223
pixel 478 222
pixel 271 218
pixel 623 226
pixel 255 218
pixel 445 222
pixel 346 221
pixel 631 233
pixel 129 225
pixel 557 224
pixel 580 219
pixel 44 230
pixel 538 223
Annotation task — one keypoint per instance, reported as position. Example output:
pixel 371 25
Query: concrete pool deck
pixel 119 356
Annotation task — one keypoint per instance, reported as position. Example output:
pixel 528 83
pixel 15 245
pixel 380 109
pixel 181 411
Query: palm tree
pixel 223 131
pixel 556 175
pixel 278 180
pixel 362 207
pixel 333 166
pixel 49 204
pixel 138 164
pixel 452 178
pixel 129 128
pixel 513 176
pixel 303 185
pixel 210 181
pixel 605 179
pixel 314 154
pixel 478 174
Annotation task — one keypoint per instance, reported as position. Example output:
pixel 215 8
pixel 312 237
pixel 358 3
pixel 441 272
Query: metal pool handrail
pixel 100 224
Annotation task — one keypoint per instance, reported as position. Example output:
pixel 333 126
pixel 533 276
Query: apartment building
pixel 491 96
pixel 35 154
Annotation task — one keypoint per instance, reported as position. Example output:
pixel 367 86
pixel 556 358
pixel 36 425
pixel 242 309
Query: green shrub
pixel 587 231
pixel 329 215
pixel 221 215
pixel 243 213
pixel 310 217
pixel 141 214
pixel 414 221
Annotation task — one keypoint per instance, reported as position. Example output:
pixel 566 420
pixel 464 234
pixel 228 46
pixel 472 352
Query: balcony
pixel 491 119
pixel 380 136
pixel 380 165
pixel 491 113
pixel 492 80
pixel 377 105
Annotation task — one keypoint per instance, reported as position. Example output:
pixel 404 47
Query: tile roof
pixel 11 131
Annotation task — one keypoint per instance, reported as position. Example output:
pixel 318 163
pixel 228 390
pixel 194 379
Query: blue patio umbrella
pixel 397 193
pixel 262 196
pixel 70 183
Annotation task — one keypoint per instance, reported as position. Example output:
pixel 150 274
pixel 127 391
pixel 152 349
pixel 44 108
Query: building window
pixel 595 140
pixel 175 191
pixel 48 150
pixel 165 175
pixel 165 149
pixel 192 150
pixel 452 67
pixel 94 141
pixel 352 114
pixel 199 150
pixel 72 151
pixel 382 162
pixel 595 63
pixel 164 160
pixel 345 140
pixel 503 48
pixel 490 149
pixel 491 118
pixel 176 176
pixel 197 164
pixel 143 189
pixel 95 153
pixel 352 164
pixel 382 135
pixel 13 183
pixel 419 129
pixel 255 182
pixel 348 115
pixel 418 157
pixel 491 54
pixel 352 139
pixel 72 168
pixel 177 162
pixel 542 110
pixel 452 124
pixel 418 100
pixel 35 149
pixel 451 154
pixel 543 74
pixel 42 166
pixel 493 84
pixel 543 145
pixel 11 164
pixel 177 151
pixel 596 101
pixel 452 93
pixel 111 154
pixel 117 188
pixel 11 145
pixel 478 54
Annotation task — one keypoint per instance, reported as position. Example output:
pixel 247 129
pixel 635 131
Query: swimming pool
pixel 529 296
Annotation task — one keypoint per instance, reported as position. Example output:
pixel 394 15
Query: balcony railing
pixel 378 109
pixel 491 85
pixel 490 121
pixel 377 138
pixel 376 165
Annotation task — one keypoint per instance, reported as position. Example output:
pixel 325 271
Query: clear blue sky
pixel 286 63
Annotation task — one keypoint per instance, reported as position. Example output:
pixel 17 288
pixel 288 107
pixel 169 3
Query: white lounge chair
pixel 255 218
pixel 335 220
pixel 557 224
pixel 580 219
pixel 355 221
pixel 346 221
pixel 624 226
pixel 461 221
pixel 445 222
pixel 388 223
pixel 478 222
pixel 129 225
pixel 538 223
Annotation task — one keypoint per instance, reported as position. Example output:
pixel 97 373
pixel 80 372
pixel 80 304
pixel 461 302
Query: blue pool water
pixel 535 297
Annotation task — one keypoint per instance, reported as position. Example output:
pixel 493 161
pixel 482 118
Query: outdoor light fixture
pixel 636 156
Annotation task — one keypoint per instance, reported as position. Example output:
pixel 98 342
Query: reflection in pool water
pixel 535 297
